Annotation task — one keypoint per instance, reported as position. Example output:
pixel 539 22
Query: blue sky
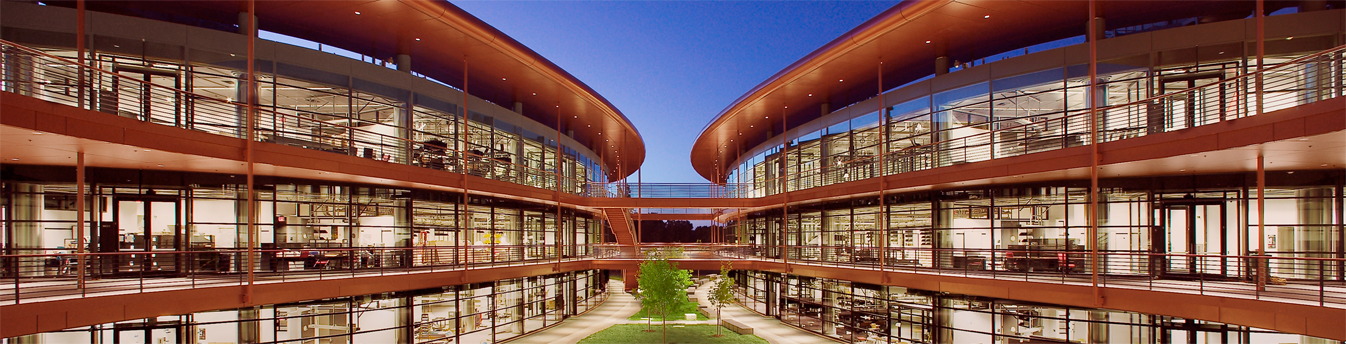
pixel 671 66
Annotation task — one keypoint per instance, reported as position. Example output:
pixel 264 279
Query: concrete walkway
pixel 620 306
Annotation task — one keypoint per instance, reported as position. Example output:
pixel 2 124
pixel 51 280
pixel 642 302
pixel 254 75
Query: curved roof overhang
pixel 894 45
pixel 445 43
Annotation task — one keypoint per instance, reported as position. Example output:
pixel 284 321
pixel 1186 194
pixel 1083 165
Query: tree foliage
pixel 662 285
pixel 722 293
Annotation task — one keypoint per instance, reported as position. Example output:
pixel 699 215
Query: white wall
pixel 970 320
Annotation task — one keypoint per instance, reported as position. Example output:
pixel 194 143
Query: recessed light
pixel 502 79
pixel 577 116
pixel 418 39
pixel 15 159
pixel 927 42
pixel 148 150
pixel 1323 165
pixel 535 93
pixel 37 133
pixel 986 16
pixel 1290 38
pixel 231 55
pixel 357 13
pixel 161 165
pixel 1291 172
pixel 1182 170
pixel 840 80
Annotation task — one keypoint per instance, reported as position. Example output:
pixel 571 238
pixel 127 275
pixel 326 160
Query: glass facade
pixel 469 313
pixel 1035 112
pixel 1181 227
pixel 299 106
pixel 302 224
pixel 864 313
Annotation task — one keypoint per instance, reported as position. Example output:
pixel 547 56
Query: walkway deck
pixel 620 306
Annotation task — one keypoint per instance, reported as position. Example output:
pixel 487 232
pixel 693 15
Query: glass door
pixel 156 104
pixel 1192 232
pixel 149 332
pixel 151 225
pixel 1198 106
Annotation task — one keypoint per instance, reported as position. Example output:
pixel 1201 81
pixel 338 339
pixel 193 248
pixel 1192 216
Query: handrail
pixel 462 157
pixel 983 139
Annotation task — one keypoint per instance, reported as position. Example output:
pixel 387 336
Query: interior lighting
pixel 357 13
pixel 1290 38
pixel 502 79
pixel 810 94
pixel 986 16
pixel 418 39
pixel 840 80
pixel 15 159
pixel 927 42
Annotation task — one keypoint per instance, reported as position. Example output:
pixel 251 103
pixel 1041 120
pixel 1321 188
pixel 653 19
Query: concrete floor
pixel 621 305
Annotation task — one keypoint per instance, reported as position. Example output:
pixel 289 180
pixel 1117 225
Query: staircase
pixel 620 221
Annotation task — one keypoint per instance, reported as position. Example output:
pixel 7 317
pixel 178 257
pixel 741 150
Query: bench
pixel 736 327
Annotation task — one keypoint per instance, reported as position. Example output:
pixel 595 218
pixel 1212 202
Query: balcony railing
pixel 1304 80
pixel 38 74
pixel 1312 278
pixel 45 274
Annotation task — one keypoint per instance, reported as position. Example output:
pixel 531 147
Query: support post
pixel 252 113
pixel 1262 264
pixel 79 216
pixel 80 34
pixel 1093 152
pixel 883 184
pixel 462 172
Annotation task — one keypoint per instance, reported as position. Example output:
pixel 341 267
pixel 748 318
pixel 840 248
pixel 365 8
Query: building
pixel 385 137
pixel 950 146
pixel 399 171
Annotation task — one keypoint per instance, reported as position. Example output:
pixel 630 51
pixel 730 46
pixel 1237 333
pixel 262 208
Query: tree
pixel 662 285
pixel 722 294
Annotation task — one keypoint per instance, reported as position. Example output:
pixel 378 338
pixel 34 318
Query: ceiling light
pixel 810 94
pixel 535 93
pixel 15 159
pixel 986 16
pixel 840 80
pixel 357 13
pixel 502 79
pixel 927 42
pixel 1290 38
pixel 418 39
pixel 37 133
pixel 161 165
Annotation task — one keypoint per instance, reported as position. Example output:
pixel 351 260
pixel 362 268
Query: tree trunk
pixel 719 322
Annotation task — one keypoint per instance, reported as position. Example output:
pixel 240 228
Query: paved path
pixel 620 306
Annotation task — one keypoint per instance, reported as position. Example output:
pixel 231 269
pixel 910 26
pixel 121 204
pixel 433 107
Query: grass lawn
pixel 635 333
pixel 687 306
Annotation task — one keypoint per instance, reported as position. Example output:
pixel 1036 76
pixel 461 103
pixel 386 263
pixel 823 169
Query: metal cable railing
pixel 1307 79
pixel 34 73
